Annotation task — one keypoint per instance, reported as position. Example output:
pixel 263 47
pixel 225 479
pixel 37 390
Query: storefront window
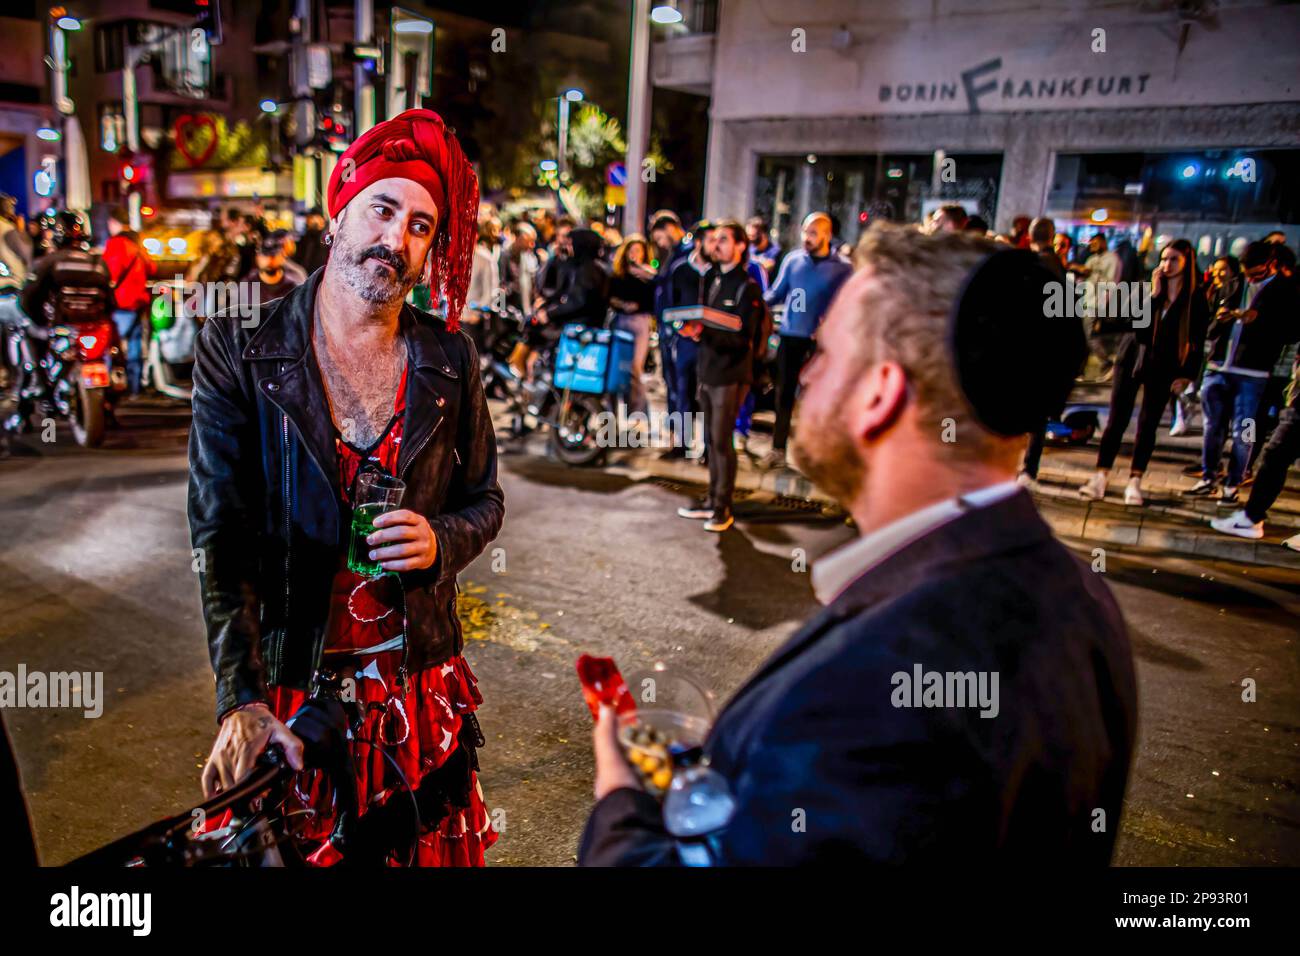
pixel 854 189
pixel 1217 199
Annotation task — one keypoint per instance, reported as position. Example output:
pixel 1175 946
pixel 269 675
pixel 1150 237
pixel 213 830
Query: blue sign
pixel 616 174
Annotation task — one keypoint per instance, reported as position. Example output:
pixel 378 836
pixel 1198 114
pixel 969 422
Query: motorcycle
pixel 574 387
pixel 80 377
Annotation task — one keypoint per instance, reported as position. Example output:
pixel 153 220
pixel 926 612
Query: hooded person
pixel 343 472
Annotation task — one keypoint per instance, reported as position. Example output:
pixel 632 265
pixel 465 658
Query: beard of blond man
pixel 884 428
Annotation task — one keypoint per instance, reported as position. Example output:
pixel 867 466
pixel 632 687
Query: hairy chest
pixel 362 395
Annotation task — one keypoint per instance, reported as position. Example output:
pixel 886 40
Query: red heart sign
pixel 188 124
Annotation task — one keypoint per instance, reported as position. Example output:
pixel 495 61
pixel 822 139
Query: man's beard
pixel 380 287
pixel 826 455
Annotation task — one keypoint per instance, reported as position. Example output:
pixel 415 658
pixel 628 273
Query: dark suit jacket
pixel 813 735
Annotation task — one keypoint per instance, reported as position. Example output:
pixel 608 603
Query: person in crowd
pixel 1063 246
pixel 13 273
pixel 1102 265
pixel 950 217
pixel 953 568
pixel 239 233
pixel 1158 359
pixel 1272 401
pixel 484 278
pixel 724 365
pixel 805 285
pixel 1222 291
pixel 15 247
pixel 269 271
pixel 672 246
pixel 216 257
pixel 553 276
pixel 762 332
pixel 553 282
pixel 584 296
pixel 296 273
pixel 1020 232
pixel 1280 453
pixel 1245 345
pixel 521 266
pixel 761 247
pixel 312 251
pixel 688 288
pixel 1276 236
pixel 631 295
pixel 356 376
pixel 977 225
pixel 130 268
pixel 1042 243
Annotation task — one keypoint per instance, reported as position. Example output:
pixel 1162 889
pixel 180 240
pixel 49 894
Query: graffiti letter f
pixel 973 92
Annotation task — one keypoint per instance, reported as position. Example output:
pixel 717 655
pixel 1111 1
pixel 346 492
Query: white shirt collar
pixel 836 571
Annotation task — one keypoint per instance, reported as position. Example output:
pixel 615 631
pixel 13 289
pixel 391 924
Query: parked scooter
pixel 573 384
pixel 169 358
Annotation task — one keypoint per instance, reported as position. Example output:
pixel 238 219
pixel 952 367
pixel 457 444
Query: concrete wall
pixel 1017 78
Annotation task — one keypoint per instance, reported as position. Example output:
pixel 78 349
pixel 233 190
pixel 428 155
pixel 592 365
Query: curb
pixel 1100 522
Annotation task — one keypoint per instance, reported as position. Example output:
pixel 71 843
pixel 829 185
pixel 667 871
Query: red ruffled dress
pixel 419 728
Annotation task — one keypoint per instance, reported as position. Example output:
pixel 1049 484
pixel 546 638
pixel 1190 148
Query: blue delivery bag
pixel 594 361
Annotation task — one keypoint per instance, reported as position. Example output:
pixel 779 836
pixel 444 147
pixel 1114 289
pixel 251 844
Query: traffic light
pixel 208 19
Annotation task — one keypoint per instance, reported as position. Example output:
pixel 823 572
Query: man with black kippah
pixel 968 693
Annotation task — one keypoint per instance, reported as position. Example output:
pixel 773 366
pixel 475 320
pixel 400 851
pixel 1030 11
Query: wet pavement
pixel 95 575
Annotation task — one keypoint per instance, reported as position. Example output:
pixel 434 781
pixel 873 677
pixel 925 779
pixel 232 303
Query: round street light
pixel 269 106
pixel 68 23
pixel 666 14
pixel 548 165
pixel 573 95
pixel 48 133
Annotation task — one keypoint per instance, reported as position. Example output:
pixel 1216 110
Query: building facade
pixel 1126 117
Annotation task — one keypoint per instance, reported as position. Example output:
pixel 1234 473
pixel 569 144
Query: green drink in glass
pixel 376 494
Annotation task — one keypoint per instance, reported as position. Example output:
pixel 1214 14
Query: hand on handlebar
pixel 244 734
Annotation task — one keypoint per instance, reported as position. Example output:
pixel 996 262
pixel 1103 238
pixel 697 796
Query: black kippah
pixel 1015 363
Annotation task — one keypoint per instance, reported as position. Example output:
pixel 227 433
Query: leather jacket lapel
pixel 427 390
pixel 284 337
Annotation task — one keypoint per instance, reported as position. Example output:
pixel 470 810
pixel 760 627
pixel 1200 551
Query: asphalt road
pixel 95 575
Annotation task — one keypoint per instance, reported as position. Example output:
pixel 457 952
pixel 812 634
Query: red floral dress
pixel 419 727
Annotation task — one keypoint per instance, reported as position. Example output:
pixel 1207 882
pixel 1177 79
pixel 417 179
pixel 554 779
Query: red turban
pixel 418 145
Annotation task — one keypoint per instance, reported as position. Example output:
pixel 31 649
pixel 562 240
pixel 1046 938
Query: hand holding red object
pixel 603 684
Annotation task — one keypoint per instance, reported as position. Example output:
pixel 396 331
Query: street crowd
pixel 1219 337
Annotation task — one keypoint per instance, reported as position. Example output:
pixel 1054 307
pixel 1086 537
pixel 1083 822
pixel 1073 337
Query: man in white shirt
pixel 968 693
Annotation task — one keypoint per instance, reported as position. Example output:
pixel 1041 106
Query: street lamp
pixel 666 13
pixel 571 95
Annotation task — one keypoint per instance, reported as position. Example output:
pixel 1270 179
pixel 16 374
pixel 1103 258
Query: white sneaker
pixel 1133 493
pixel 1242 527
pixel 1025 480
pixel 1095 489
pixel 1292 542
pixel 1179 428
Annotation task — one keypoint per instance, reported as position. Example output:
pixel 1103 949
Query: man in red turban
pixel 313 583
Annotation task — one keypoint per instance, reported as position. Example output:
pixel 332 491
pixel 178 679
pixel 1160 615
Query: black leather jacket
pixel 266 518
